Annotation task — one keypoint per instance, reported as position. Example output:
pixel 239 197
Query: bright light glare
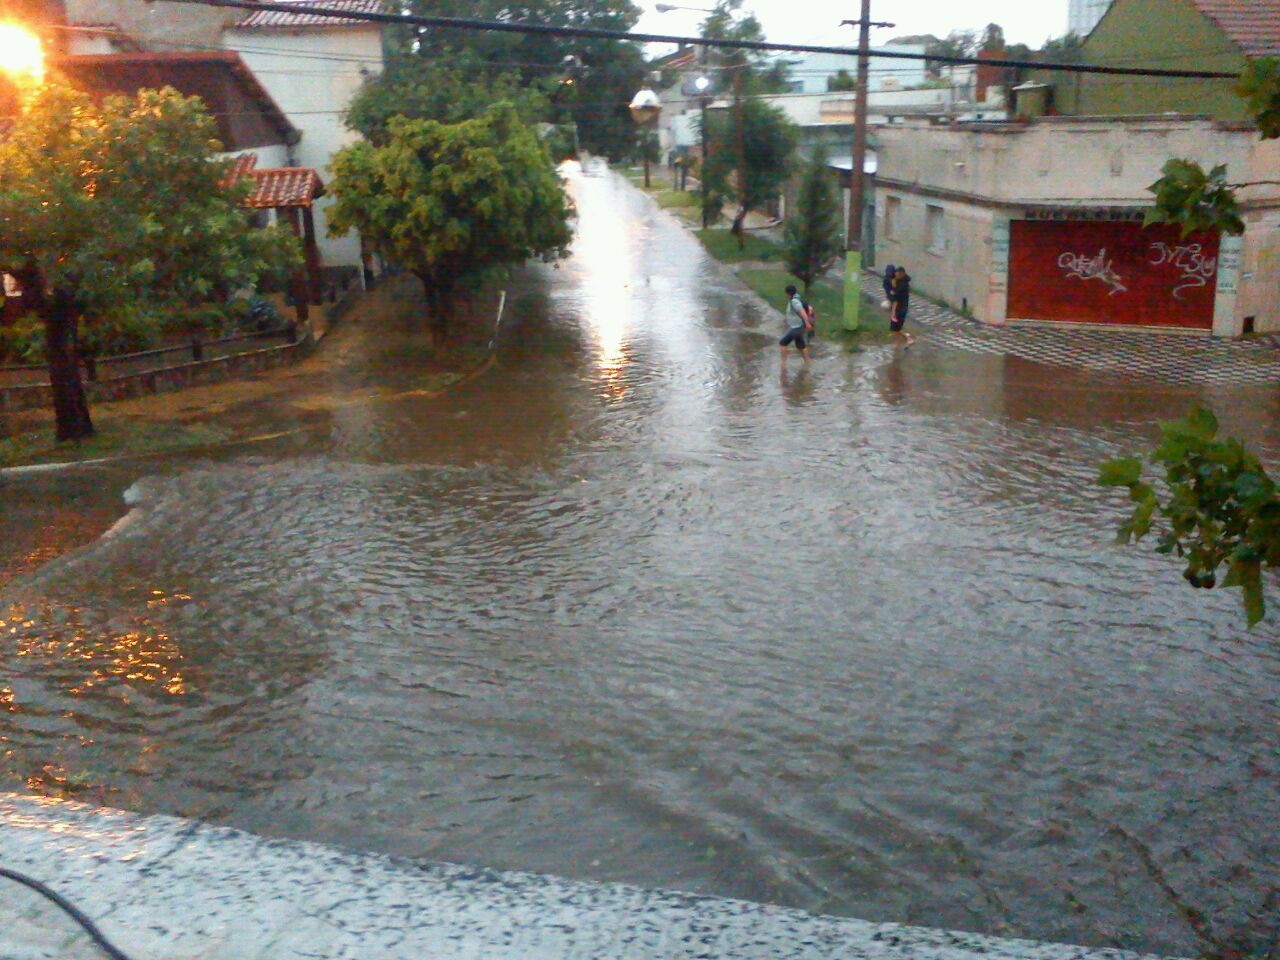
pixel 20 53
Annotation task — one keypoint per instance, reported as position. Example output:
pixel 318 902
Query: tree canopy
pixel 451 201
pixel 759 134
pixel 588 81
pixel 116 206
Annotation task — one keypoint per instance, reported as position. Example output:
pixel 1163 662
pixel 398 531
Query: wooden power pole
pixel 857 183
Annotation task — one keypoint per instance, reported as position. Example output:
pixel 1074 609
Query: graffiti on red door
pixel 1111 272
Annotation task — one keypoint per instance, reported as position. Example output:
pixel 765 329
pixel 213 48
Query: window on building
pixel 935 229
pixel 892 217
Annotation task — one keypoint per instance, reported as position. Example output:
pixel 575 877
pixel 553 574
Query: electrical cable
pixel 71 910
pixel 508 26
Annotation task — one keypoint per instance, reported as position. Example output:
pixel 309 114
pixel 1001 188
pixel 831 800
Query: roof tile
pixel 278 19
pixel 284 187
pixel 1253 25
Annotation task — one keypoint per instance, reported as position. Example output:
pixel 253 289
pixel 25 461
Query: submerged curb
pixel 164 888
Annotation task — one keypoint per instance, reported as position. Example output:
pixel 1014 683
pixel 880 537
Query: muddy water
pixel 635 605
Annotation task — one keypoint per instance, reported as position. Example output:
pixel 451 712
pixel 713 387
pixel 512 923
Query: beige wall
pixel 313 74
pixel 158 25
pixel 982 175
pixel 957 270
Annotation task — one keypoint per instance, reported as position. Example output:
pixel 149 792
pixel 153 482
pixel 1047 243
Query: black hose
pixel 88 925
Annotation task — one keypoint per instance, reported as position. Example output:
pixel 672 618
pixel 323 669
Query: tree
pixel 841 81
pixel 1220 509
pixel 609 74
pixel 450 90
pixel 452 201
pixel 763 139
pixel 1194 199
pixel 812 239
pixel 112 208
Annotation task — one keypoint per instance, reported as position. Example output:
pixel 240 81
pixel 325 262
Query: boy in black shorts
pixel 796 319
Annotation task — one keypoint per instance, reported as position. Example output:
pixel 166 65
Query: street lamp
pixel 20 53
pixel 668 7
pixel 645 108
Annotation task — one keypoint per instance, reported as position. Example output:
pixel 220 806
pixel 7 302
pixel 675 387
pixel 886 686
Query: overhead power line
pixel 506 26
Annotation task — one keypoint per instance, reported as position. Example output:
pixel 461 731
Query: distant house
pixel 813 72
pixel 1042 221
pixel 313 67
pixel 1214 35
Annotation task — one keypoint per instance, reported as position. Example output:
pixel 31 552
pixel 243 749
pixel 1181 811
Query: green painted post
pixel 852 288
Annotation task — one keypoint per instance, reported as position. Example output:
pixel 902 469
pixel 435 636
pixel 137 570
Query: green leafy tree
pixel 604 73
pixel 840 81
pixel 759 137
pixel 450 90
pixel 812 240
pixel 1194 199
pixel 452 201
pixel 112 209
pixel 1218 509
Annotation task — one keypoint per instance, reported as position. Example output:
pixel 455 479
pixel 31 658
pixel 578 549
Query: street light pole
pixel 857 184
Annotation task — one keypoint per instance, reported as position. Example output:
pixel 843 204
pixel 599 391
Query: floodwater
pixel 636 605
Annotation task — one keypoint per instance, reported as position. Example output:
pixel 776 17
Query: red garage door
pixel 1107 272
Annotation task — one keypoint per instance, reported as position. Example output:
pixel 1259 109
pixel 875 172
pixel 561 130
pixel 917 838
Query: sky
pixel 818 21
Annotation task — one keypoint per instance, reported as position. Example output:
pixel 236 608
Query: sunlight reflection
pixel 604 252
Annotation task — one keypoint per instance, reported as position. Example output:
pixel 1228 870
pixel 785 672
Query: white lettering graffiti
pixel 1197 269
pixel 1083 267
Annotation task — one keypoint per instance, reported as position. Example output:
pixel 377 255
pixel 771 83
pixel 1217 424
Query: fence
pixel 27 387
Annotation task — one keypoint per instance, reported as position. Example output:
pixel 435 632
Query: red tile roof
pixel 1252 25
pixel 284 187
pixel 241 166
pixel 277 19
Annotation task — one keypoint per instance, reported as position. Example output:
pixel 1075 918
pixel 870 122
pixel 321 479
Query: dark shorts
pixel 795 336
pixel 896 323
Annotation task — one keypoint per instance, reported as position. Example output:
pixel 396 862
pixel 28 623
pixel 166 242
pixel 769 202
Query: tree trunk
pixel 70 406
pixel 437 310
pixel 739 228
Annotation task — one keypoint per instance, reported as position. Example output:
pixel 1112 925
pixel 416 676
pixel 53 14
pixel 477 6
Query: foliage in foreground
pixel 452 201
pixel 1193 199
pixel 1218 508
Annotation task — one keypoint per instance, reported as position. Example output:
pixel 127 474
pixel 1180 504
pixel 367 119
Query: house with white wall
pixel 313 67
pixel 1042 221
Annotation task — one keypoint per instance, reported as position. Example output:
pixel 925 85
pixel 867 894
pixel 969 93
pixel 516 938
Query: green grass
pixel 828 300
pixel 723 245
pixel 675 198
pixel 115 438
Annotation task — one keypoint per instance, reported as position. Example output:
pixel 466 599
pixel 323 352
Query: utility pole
pixel 857 184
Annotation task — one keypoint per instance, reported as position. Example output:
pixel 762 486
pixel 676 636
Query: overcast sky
pixel 817 21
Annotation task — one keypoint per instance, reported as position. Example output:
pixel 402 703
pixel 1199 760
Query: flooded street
pixel 635 605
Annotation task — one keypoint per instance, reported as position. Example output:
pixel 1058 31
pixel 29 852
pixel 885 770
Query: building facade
pixel 313 67
pixel 1042 221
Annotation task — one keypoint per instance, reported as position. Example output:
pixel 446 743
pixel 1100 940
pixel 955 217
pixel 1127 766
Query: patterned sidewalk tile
pixel 1169 358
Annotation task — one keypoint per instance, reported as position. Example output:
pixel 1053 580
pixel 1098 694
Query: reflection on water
pixel 638 606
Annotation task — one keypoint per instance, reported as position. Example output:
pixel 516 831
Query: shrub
pixel 22 341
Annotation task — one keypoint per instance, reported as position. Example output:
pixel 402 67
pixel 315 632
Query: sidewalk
pixel 1164 357
pixel 161 888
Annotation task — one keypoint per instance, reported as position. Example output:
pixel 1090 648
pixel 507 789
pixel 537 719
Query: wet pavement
pixel 635 605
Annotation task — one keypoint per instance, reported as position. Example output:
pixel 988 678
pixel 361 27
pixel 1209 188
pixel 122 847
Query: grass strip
pixel 770 283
